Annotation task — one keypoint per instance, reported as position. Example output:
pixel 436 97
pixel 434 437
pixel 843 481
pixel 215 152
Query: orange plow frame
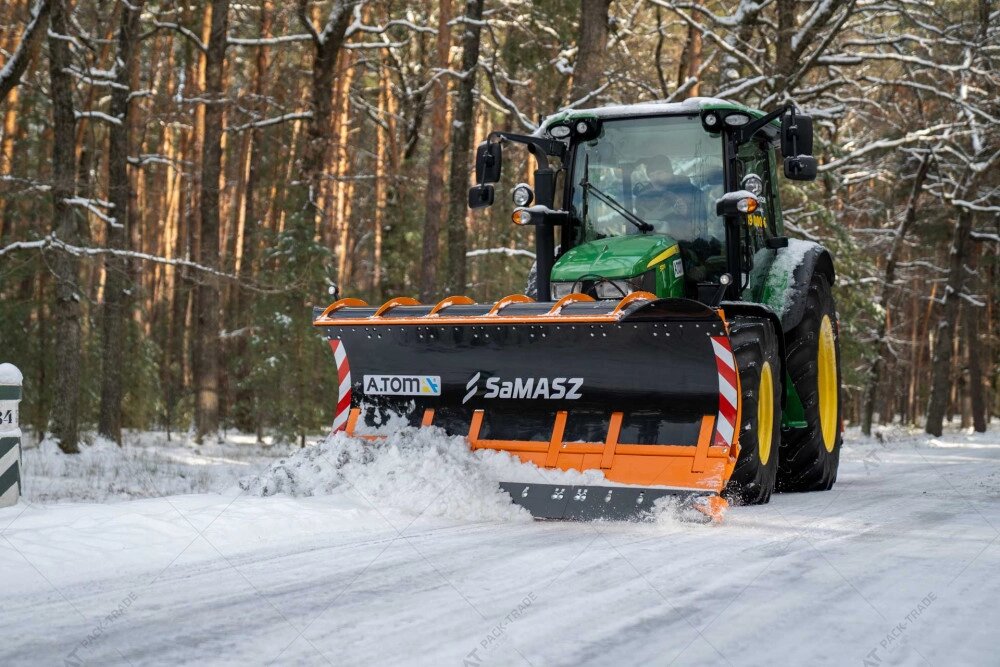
pixel 706 469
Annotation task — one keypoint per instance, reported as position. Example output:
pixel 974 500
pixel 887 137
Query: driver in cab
pixel 676 207
pixel 668 198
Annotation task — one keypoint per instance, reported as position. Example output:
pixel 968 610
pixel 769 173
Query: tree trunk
pixel 17 62
pixel 434 199
pixel 947 321
pixel 66 224
pixel 784 61
pixel 690 60
pixel 118 286
pixel 591 45
pixel 889 277
pixel 380 186
pixel 977 402
pixel 246 414
pixel 327 44
pixel 461 142
pixel 207 323
pixel 11 129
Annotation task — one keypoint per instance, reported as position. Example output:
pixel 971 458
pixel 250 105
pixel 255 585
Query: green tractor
pixel 674 339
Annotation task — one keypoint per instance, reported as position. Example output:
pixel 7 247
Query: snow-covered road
pixel 897 565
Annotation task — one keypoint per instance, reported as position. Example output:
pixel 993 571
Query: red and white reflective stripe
pixel 344 388
pixel 725 362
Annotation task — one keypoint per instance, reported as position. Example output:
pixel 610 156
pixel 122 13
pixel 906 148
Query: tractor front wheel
pixel 755 345
pixel 810 455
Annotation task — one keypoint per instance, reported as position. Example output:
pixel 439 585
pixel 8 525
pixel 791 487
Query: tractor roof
pixel 656 108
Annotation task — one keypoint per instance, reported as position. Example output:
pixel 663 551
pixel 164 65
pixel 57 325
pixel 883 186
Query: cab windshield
pixel 665 170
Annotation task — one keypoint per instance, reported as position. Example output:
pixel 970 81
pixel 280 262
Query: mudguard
pixel 734 309
pixel 788 279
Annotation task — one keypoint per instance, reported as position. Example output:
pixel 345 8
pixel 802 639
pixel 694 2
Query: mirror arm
pixel 541 149
pixel 745 133
pixel 544 146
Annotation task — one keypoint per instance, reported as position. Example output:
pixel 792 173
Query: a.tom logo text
pixel 402 385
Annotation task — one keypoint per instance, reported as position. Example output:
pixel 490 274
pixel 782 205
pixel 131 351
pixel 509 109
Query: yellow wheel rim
pixel 765 413
pixel 827 384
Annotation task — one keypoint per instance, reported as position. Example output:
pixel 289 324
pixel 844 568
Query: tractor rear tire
pixel 810 456
pixel 755 345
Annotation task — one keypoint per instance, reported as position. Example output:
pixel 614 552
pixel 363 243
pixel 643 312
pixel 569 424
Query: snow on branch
pixel 98 115
pixel 723 43
pixel 28 183
pixel 379 29
pixel 268 41
pixel 51 241
pixel 64 38
pixel 961 203
pixel 268 122
pixel 589 96
pixel 510 252
pixel 508 105
pixel 937 91
pixel 926 134
pixel 817 18
pixel 922 264
pixel 157 158
pixel 985 236
pixel 746 12
pixel 93 79
pixel 974 299
pixel 184 31
pixel 92 206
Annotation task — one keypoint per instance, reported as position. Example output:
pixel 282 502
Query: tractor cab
pixel 643 196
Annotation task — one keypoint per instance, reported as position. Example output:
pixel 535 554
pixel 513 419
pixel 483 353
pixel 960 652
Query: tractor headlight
pixel 560 131
pixel 622 287
pixel 559 290
pixel 605 288
pixel 613 289
pixel 522 195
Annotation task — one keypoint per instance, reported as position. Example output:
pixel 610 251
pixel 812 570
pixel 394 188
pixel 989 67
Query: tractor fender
pixel 788 279
pixel 748 309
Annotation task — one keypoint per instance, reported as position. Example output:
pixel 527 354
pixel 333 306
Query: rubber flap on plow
pixel 644 390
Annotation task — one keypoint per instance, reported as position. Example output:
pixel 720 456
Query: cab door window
pixel 755 176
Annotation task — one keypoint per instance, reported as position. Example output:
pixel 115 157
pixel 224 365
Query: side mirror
pixel 800 168
pixel 489 158
pixel 481 196
pixel 796 134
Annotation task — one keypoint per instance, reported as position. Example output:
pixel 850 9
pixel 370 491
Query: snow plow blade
pixel 607 503
pixel 643 390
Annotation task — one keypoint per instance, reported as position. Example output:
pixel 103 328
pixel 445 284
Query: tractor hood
pixel 613 257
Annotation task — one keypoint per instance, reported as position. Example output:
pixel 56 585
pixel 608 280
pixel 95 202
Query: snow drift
pixel 416 471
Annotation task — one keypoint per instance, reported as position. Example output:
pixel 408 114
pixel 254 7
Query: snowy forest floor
pixel 241 553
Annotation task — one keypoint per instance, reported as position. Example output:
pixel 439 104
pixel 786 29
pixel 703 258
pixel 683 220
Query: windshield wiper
pixel 589 187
